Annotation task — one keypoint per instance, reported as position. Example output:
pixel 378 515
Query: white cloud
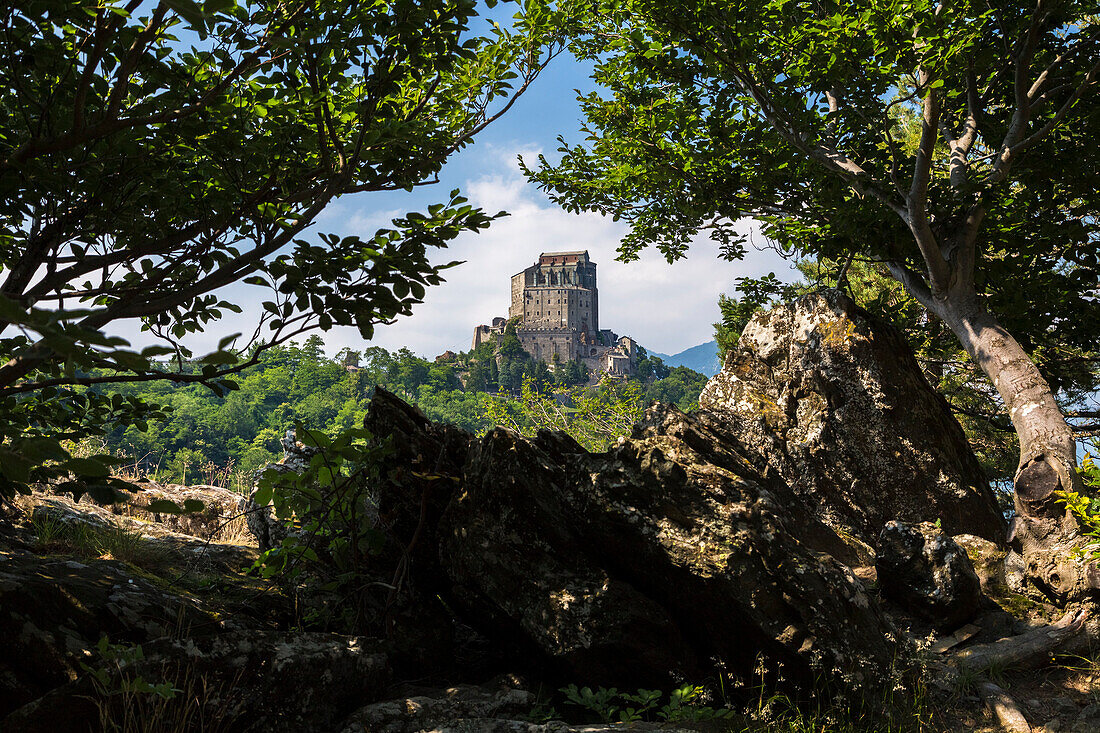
pixel 667 308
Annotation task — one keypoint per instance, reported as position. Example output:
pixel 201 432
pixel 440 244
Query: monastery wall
pixel 555 305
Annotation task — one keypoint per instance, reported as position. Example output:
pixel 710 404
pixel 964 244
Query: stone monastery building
pixel 555 306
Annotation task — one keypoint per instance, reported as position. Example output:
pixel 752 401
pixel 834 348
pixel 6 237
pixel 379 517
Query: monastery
pixel 555 308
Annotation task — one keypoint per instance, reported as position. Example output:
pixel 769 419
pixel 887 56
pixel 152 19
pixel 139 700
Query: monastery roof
pixel 559 254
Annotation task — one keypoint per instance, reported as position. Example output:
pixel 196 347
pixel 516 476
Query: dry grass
pixel 90 541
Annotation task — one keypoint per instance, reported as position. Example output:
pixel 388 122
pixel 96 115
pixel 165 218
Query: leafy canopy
pixel 152 154
pixel 809 117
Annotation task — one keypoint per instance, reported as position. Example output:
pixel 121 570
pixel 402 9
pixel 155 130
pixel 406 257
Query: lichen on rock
pixel 837 404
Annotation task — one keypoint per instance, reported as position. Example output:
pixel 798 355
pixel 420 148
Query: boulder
pixel 462 707
pixel 499 706
pixel 988 559
pixel 924 571
pixel 835 402
pixel 635 567
pixel 222 517
pixel 150 539
pixel 54 611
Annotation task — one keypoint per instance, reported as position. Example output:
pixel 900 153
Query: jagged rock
pixel 634 567
pixel 838 405
pixel 261 521
pixel 53 612
pixel 421 475
pixel 262 524
pixel 924 571
pixel 221 517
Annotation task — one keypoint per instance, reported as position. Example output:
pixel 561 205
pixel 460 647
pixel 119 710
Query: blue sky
pixel 667 308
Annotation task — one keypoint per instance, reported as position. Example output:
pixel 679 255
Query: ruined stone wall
pixel 481 335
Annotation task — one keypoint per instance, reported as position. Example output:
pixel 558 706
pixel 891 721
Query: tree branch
pixel 916 204
pixel 913 283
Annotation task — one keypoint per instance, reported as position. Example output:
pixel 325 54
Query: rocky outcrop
pixel 733 537
pixel 221 517
pixel 266 529
pixel 926 572
pixel 988 559
pixel 635 567
pixel 836 403
pixel 53 612
pixel 682 545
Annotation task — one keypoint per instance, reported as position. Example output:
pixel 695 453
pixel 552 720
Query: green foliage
pixel 116 658
pixel 129 703
pixel 152 154
pixel 203 436
pixel 33 434
pixel 165 506
pixel 571 373
pixel 681 387
pixel 684 704
pixel 331 510
pixel 595 417
pixel 225 439
pixel 954 143
pixel 755 293
pixel 1085 507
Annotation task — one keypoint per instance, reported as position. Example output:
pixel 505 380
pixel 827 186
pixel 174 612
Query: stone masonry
pixel 555 306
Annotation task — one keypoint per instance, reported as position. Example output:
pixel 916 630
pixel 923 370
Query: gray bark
pixel 1048 456
pixel 1044 539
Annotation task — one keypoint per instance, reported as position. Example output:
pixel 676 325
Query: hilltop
pixel 702 358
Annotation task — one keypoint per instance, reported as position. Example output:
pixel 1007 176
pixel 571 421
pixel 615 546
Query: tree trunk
pixel 1048 455
pixel 1043 536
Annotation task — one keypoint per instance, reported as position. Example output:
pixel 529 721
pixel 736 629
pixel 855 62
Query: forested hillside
pixel 224 439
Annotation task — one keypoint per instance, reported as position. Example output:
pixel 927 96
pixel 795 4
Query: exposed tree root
pixel 1031 650
pixel 1004 707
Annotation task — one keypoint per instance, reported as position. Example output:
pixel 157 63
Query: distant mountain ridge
pixel 702 358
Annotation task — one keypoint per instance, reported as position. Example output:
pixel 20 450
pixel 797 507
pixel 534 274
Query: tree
pixel 153 153
pixel 594 417
pixel 680 387
pixel 510 346
pixel 790 111
pixel 571 373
